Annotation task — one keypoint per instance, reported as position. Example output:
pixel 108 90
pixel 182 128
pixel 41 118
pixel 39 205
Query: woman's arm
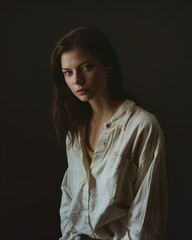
pixel 67 228
pixel 148 212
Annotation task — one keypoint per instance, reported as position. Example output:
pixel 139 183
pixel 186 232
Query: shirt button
pixel 103 144
pixel 107 125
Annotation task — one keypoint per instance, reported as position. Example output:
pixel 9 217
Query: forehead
pixel 75 57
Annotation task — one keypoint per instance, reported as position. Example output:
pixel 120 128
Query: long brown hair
pixel 69 113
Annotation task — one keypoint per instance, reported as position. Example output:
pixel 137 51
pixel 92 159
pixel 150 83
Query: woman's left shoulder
pixel 143 118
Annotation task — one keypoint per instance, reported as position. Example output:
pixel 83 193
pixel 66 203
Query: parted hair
pixel 69 113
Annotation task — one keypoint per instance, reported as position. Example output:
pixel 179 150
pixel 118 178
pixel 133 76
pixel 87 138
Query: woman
pixel 115 185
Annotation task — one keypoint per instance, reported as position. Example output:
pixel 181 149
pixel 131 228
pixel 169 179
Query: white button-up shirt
pixel 122 194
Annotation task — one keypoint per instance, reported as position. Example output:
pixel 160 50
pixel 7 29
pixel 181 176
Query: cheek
pixel 67 83
pixel 103 79
pixel 98 77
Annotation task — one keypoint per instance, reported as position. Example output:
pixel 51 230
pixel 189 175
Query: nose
pixel 78 78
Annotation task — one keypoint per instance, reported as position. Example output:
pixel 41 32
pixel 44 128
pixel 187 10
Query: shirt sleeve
pixel 147 215
pixel 67 229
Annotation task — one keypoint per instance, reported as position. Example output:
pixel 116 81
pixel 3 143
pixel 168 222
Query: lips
pixel 82 91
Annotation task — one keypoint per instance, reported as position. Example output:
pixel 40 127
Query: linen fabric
pixel 122 193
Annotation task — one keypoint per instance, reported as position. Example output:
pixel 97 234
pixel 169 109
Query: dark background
pixel 154 45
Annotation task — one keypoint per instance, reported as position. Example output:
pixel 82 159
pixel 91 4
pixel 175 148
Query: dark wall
pixel 154 46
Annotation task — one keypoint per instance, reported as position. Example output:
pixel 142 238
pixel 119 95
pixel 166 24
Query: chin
pixel 84 99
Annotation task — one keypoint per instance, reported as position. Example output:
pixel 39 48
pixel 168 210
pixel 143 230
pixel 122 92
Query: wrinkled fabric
pixel 122 194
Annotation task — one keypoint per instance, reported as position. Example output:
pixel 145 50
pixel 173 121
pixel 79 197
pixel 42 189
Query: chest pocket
pixel 117 179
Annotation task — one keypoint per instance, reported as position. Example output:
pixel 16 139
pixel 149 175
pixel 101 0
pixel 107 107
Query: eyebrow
pixel 78 65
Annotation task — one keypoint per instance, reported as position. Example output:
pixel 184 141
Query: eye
pixel 87 67
pixel 67 73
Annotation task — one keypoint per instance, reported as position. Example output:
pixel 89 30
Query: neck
pixel 103 109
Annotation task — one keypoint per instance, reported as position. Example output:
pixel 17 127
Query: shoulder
pixel 142 119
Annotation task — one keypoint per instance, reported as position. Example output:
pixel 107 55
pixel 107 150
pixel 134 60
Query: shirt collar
pixel 122 114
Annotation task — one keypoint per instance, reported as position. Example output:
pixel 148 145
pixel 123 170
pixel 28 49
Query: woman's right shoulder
pixel 73 144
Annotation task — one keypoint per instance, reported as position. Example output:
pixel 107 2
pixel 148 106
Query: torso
pixel 94 131
pixel 96 126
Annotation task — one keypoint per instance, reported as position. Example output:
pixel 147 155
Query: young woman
pixel 115 185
